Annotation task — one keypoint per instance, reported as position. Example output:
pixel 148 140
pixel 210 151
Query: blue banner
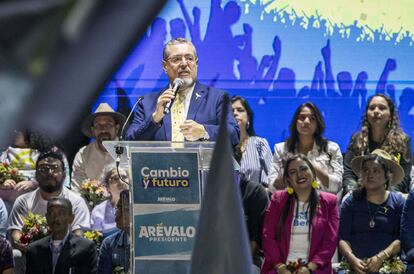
pixel 279 54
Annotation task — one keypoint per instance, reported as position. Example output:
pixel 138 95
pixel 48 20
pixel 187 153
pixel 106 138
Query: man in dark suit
pixel 62 252
pixel 196 110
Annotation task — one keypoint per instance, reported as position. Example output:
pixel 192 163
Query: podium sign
pixel 166 201
pixel 167 180
pixel 168 234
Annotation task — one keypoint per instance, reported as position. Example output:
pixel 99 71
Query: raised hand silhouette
pixel 329 78
pixel 317 86
pixel 390 65
pixel 247 62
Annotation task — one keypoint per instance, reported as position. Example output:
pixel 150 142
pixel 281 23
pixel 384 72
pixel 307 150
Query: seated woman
pixel 103 215
pixel 306 137
pixel 256 153
pixel 26 148
pixel 380 130
pixel 300 223
pixel 370 217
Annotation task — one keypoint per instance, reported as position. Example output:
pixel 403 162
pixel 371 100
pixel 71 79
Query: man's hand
pixel 358 266
pixel 20 246
pixel 192 131
pixel 374 264
pixel 78 232
pixel 164 98
pixel 15 235
pixel 25 185
pixel 8 184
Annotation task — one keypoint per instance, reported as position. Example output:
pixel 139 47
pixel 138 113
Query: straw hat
pixel 393 164
pixel 103 109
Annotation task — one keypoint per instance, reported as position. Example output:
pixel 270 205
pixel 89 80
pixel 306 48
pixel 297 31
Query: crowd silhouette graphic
pixel 227 61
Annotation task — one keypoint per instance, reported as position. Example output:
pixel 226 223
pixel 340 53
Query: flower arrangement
pixel 294 266
pixel 392 265
pixel 94 235
pixel 346 267
pixel 118 270
pixel 34 228
pixel 93 191
pixel 9 172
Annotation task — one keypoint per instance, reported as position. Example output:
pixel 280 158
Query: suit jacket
pixel 324 233
pixel 78 255
pixel 206 108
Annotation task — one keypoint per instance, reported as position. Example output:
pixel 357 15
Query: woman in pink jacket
pixel 301 223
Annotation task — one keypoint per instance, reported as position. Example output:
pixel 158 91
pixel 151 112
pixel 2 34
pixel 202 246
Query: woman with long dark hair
pixel 380 130
pixel 370 217
pixel 300 223
pixel 256 153
pixel 306 137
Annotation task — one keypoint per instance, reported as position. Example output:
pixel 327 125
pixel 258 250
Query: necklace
pixel 304 212
pixel 243 144
pixel 372 216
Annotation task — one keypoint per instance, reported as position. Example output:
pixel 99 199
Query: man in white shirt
pixel 50 175
pixel 103 125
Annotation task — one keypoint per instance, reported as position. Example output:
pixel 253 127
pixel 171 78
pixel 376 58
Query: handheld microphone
pixel 178 82
pixel 119 150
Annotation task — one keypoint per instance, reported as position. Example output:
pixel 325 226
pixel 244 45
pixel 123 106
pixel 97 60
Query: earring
pixel 290 190
pixel 389 124
pixel 315 184
pixel 248 125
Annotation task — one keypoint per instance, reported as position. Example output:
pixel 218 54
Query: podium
pixel 167 183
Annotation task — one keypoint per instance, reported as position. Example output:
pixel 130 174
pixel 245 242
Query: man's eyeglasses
pixel 177 59
pixel 49 168
pixel 104 126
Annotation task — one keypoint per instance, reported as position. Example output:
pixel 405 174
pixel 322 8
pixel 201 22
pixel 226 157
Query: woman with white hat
pixel 369 230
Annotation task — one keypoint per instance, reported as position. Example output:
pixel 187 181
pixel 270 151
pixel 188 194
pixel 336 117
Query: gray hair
pixel 177 41
pixel 106 172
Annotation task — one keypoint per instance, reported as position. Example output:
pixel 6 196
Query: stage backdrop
pixel 280 53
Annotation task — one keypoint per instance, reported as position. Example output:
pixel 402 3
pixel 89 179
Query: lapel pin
pixel 198 95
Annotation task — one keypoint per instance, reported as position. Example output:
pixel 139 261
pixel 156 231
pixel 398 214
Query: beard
pixel 50 188
pixel 188 82
pixel 104 137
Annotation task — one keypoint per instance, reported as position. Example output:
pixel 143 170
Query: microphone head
pixel 178 82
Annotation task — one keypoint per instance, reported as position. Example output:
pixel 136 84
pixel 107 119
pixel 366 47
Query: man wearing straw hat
pixel 103 125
